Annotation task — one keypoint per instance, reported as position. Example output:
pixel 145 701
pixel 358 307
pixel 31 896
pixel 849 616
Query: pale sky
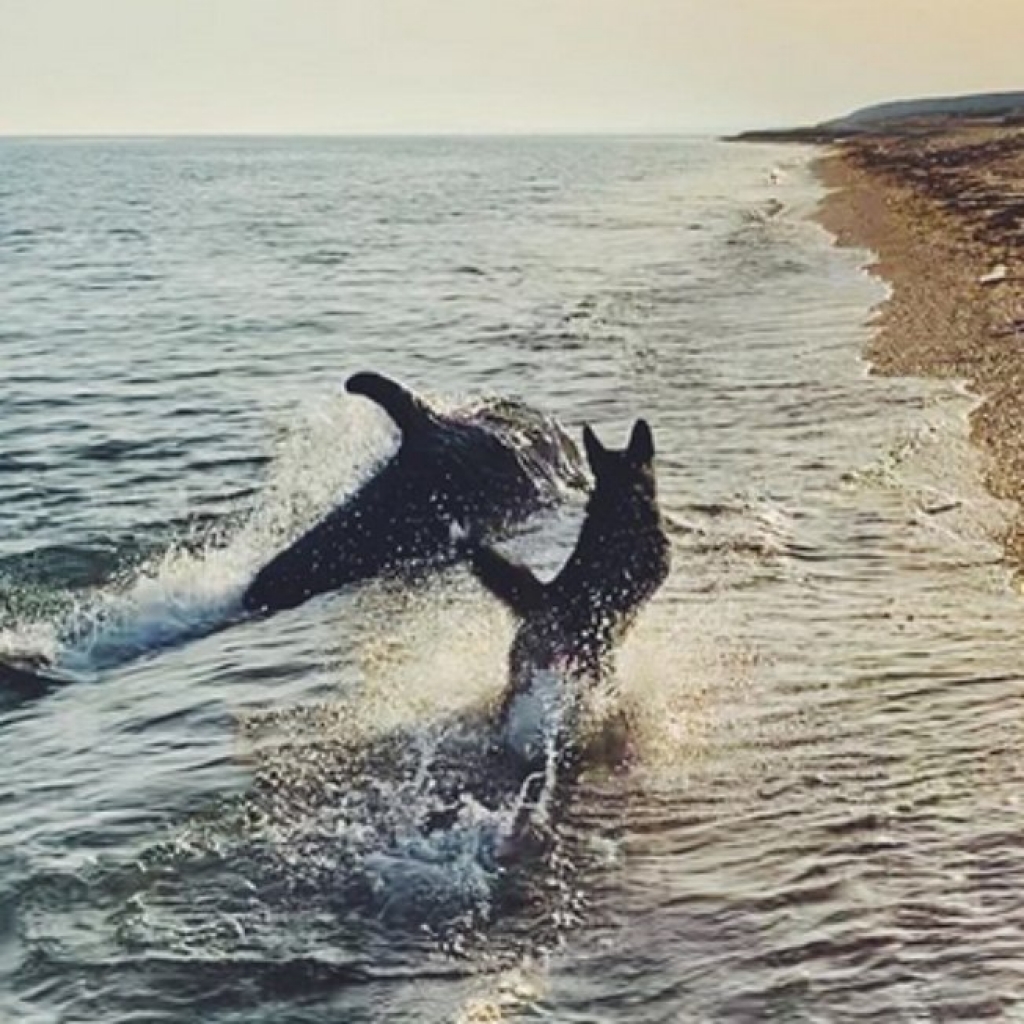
pixel 340 66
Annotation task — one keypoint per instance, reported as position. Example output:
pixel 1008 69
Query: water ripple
pixel 819 820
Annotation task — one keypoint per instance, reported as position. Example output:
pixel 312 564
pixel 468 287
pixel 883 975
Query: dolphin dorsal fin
pixel 409 412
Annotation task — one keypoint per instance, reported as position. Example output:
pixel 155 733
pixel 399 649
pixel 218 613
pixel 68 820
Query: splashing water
pixel 405 774
pixel 195 585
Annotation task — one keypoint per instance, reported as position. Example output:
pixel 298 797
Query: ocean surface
pixel 220 819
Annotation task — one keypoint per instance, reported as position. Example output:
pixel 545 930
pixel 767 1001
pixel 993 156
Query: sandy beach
pixel 944 211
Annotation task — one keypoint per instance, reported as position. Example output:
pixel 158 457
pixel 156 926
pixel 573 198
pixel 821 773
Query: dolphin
pixel 479 469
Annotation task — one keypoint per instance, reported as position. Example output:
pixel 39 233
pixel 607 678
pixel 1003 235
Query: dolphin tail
pixel 408 411
pixel 512 583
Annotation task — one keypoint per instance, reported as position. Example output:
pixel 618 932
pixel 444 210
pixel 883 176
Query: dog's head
pixel 628 470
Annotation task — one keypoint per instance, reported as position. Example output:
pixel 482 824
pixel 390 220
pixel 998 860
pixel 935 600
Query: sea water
pixel 228 819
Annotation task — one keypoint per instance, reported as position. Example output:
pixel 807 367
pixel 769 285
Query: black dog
pixel 487 466
pixel 569 628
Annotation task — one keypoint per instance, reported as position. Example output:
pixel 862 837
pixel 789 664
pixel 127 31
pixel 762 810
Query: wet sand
pixel 944 209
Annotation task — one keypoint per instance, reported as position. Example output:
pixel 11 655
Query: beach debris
pixel 765 212
pixel 1013 327
pixel 940 507
pixel 998 273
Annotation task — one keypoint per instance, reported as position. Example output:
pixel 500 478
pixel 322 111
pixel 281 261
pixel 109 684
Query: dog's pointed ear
pixel 512 583
pixel 641 443
pixel 596 451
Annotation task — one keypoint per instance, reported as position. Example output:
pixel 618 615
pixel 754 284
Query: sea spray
pixel 194 585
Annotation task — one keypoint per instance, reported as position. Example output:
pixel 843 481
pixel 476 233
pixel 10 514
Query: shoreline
pixel 941 213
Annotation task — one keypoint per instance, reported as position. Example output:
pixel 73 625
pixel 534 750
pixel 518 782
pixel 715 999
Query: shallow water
pixel 821 820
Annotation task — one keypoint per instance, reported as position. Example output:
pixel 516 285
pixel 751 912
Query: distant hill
pixel 912 115
pixel 992 104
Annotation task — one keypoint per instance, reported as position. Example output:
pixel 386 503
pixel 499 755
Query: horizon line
pixel 375 134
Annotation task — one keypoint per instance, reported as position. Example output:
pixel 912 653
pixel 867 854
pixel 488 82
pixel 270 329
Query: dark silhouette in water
pixel 21 682
pixel 569 628
pixel 482 469
pixel 567 634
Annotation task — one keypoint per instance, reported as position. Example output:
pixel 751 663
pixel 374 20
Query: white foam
pixel 535 716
